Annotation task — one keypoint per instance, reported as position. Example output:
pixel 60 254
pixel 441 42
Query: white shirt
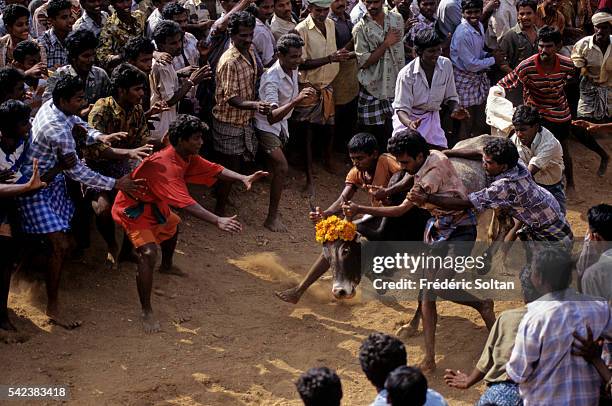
pixel 357 12
pixel 152 22
pixel 264 41
pixel 414 96
pixel 87 23
pixel 164 83
pixel 278 88
pixel 545 153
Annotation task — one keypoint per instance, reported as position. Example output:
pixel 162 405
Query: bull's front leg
pixel 294 294
pixel 411 329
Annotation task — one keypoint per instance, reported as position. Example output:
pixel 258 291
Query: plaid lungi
pixel 232 140
pixel 322 112
pixel 48 210
pixel 472 87
pixel 595 101
pixel 372 111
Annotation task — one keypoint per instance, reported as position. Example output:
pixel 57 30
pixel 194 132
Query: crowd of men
pixel 105 107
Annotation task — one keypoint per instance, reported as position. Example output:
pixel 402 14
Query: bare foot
pixel 427 365
pixel 603 166
pixel 173 270
pixel 58 318
pixel 13 337
pixel 275 224
pixel 488 314
pixel 292 295
pixel 149 323
pixel 407 330
pixel 111 262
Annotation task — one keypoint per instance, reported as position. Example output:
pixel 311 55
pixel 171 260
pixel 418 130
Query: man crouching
pixel 146 216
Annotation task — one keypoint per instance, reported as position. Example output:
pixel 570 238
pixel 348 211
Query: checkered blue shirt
pixel 516 191
pixel 541 361
pixel 55 53
pixel 52 137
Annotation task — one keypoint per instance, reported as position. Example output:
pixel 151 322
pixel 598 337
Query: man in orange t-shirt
pixel 147 218
pixel 371 171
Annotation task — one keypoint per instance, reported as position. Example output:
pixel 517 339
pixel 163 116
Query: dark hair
pixel 184 127
pixel 54 7
pixel 502 151
pixel 240 19
pixel 420 1
pixel 164 30
pixel 13 12
pixel 550 34
pixel 80 41
pixel 406 386
pixel 319 387
pixel 9 78
pixel 427 38
pixel 527 115
pixel 527 3
pixel 13 112
pixel 289 41
pixel 125 76
pixel 410 142
pixel 379 355
pixel 554 265
pixel 173 9
pixel 25 48
pixel 363 142
pixel 136 46
pixel 600 220
pixel 467 4
pixel 66 87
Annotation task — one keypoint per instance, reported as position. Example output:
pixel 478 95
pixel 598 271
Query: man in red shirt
pixel 544 77
pixel 146 216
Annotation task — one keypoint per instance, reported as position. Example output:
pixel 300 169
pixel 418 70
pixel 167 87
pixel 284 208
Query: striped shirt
pixel 543 90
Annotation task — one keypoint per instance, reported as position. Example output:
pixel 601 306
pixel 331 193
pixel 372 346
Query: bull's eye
pixel 346 251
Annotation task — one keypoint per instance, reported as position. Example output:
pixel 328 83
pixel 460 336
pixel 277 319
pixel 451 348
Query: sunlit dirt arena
pixel 226 339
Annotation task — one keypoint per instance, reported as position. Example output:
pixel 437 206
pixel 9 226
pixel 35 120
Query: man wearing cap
pixel 380 56
pixel 320 67
pixel 593 55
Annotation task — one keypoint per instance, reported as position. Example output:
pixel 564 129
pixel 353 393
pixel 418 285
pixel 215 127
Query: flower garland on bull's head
pixel 333 228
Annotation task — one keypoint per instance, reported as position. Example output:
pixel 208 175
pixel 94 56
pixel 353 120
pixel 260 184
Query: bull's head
pixel 344 259
pixel 342 250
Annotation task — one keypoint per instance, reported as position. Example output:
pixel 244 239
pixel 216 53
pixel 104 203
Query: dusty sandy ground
pixel 241 345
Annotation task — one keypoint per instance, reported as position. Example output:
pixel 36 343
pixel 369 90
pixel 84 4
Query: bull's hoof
pixel 407 331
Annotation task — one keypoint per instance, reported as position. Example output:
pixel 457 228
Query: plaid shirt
pixel 116 33
pixel 97 84
pixel 541 361
pixel 54 51
pixel 52 137
pixel 236 76
pixel 516 191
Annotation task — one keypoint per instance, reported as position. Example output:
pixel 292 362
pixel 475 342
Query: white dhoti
pixel 430 127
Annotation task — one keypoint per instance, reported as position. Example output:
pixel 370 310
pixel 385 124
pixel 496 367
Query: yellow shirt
pixel 318 46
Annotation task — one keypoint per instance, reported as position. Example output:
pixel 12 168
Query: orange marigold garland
pixel 333 228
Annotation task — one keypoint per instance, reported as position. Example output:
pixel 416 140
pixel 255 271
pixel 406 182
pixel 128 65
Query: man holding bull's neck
pixel 434 173
pixel 370 169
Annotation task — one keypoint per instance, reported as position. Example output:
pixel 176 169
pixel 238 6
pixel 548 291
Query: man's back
pixel 542 362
